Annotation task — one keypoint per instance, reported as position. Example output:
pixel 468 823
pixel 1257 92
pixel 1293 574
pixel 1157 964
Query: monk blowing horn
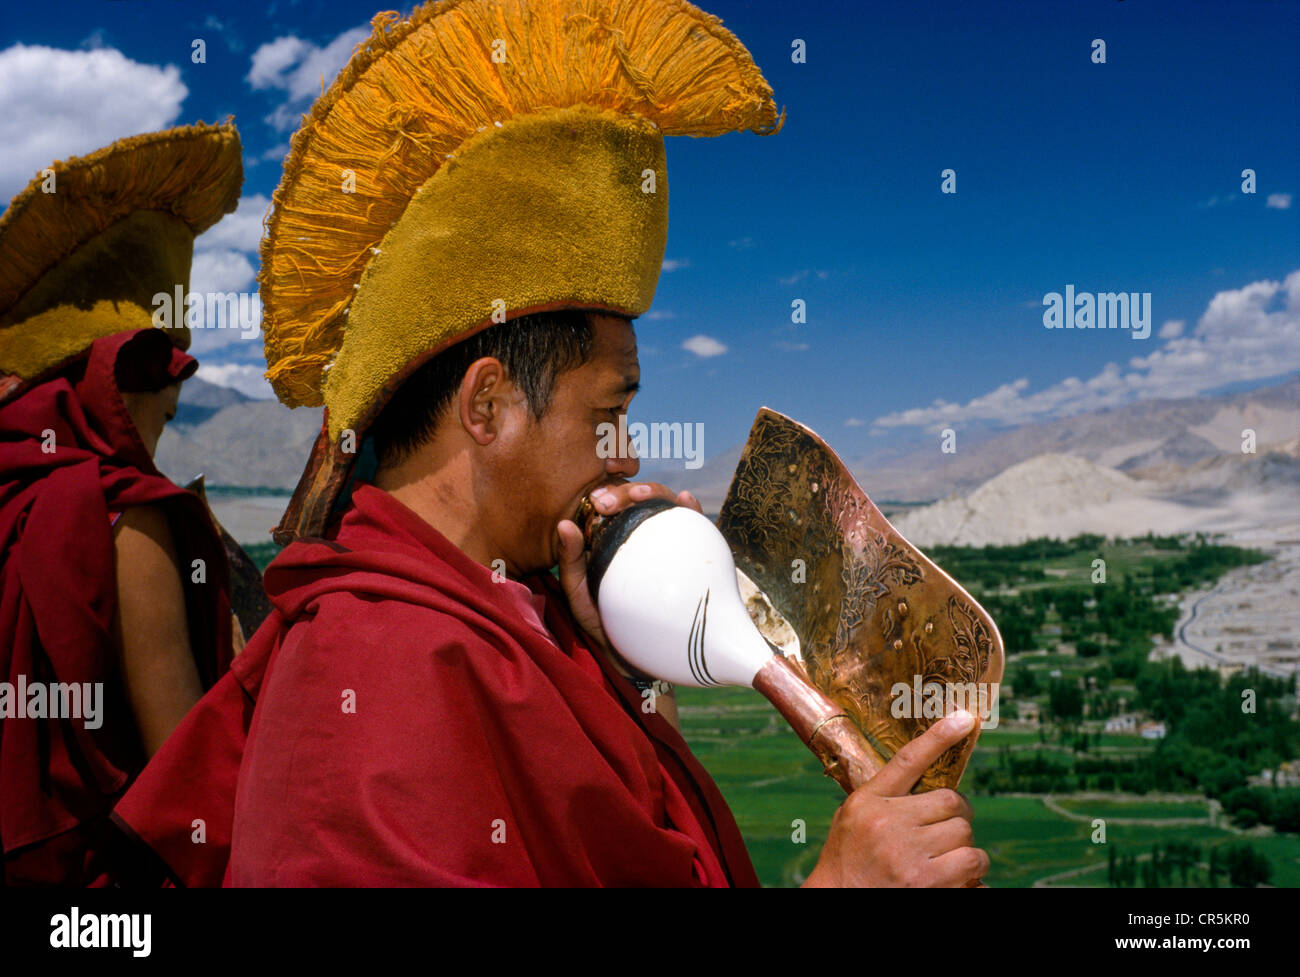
pixel 863 614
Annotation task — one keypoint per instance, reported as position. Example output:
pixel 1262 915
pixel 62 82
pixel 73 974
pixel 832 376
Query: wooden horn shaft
pixel 844 752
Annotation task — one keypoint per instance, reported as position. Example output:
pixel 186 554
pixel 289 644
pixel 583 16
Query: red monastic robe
pixel 70 461
pixel 401 719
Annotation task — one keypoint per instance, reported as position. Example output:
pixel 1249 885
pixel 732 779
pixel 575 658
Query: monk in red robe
pixel 114 616
pixel 96 592
pixel 411 716
pixel 427 705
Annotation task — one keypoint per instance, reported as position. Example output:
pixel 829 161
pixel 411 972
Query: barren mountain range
pixel 1160 465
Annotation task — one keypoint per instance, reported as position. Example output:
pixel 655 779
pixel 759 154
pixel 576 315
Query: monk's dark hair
pixel 534 349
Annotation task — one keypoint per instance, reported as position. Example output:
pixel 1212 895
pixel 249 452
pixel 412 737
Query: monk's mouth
pixel 585 510
pixel 583 513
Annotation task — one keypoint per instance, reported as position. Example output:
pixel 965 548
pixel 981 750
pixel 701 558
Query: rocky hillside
pixel 1185 451
pixel 233 440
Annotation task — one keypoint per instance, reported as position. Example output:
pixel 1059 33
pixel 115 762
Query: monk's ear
pixel 483 395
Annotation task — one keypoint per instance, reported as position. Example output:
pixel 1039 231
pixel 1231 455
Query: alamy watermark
pixel 53 700
pixel 75 930
pixel 934 700
pixel 209 310
pixel 656 440
pixel 1104 310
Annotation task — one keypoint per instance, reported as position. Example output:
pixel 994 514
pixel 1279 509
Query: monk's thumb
pixel 571 548
pixel 908 765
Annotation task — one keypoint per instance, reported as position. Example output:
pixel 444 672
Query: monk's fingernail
pixel 960 721
pixel 641 491
pixel 602 499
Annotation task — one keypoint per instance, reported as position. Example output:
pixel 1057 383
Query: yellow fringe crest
pixel 417 89
pixel 192 172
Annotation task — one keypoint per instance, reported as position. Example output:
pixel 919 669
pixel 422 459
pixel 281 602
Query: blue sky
pixel 1122 176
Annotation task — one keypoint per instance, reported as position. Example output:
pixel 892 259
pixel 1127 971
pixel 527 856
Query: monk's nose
pixel 625 463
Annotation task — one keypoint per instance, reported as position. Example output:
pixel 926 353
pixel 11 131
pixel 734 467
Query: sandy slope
pixel 1063 495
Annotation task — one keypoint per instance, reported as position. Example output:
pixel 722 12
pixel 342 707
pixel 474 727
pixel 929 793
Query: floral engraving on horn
pixel 873 613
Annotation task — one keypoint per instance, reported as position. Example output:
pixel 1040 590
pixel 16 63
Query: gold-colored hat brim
pixel 574 229
pixel 85 247
pixel 191 172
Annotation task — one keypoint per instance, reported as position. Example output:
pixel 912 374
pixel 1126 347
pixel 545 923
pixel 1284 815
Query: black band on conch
pixel 613 535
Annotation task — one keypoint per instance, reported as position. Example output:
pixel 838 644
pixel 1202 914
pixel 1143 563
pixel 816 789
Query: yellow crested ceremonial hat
pixel 479 161
pixel 91 240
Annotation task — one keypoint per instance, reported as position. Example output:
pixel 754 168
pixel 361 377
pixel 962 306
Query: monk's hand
pixel 607 500
pixel 882 835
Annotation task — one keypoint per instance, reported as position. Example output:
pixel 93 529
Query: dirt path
pixel 1251 616
pixel 1049 802
pixel 1048 880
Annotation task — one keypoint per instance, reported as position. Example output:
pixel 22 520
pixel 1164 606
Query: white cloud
pixel 794 279
pixel 241 230
pixel 788 347
pixel 55 104
pixel 655 315
pixel 221 270
pixel 704 346
pixel 672 264
pixel 1240 337
pixel 1278 201
pixel 225 262
pixel 744 243
pixel 1172 329
pixel 854 422
pixel 248 380
pixel 271 63
pixel 299 69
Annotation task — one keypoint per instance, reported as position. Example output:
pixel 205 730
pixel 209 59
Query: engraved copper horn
pixel 842 619
pixel 872 613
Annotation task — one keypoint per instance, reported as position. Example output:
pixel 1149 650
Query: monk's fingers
pixel 905 768
pixel 610 499
pixel 956 869
pixel 947 836
pixel 690 501
pixel 937 806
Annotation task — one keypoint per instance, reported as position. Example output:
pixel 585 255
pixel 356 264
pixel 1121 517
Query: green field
pixel 767 776
pixel 1283 852
pixel 1027 842
pixel 1123 558
pixel 1003 736
pixel 1111 809
pixel 770 779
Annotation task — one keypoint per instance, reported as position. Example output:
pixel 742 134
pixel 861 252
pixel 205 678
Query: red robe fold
pixel 398 721
pixel 69 458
